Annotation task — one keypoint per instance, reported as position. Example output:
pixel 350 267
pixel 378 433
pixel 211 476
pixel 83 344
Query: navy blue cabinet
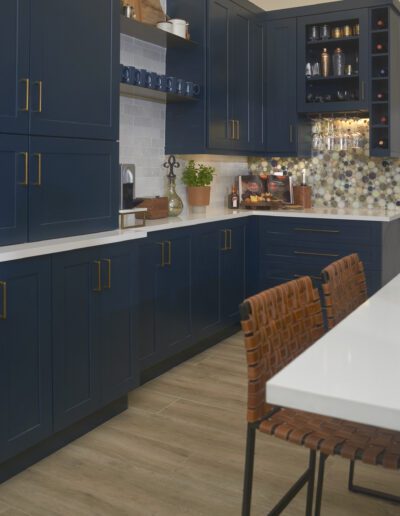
pixel 206 252
pixel 25 355
pixel 14 156
pixel 92 330
pixel 73 187
pixel 74 64
pixel 281 114
pixel 14 65
pixel 232 276
pixel 163 309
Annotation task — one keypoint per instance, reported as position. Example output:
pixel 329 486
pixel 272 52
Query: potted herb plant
pixel 198 179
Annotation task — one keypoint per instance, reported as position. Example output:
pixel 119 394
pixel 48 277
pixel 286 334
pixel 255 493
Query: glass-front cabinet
pixel 333 62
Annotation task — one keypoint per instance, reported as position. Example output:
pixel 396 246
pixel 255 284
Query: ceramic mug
pixel 171 84
pixel 180 86
pixel 151 80
pixel 165 26
pixel 179 27
pixel 125 74
pixel 191 89
pixel 161 83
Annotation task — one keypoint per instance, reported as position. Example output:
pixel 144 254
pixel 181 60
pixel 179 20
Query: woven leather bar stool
pixel 279 324
pixel 345 289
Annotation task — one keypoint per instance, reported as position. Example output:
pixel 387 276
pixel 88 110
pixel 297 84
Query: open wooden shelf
pixel 332 77
pixel 151 34
pixel 138 92
pixel 332 40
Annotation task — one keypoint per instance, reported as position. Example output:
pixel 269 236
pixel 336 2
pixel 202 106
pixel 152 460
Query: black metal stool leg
pixel 320 484
pixel 248 469
pixel 369 492
pixel 311 479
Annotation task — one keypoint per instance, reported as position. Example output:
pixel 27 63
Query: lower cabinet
pixel 92 330
pixel 191 284
pixel 25 355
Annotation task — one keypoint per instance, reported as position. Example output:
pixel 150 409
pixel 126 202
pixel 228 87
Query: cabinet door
pixel 13 189
pixel 205 279
pixel 74 68
pixel 76 283
pixel 281 86
pixel 258 83
pixel 172 294
pixel 25 355
pixel 14 65
pixel 232 281
pixel 356 52
pixel 220 116
pixel 240 65
pixel 74 187
pixel 149 260
pixel 114 324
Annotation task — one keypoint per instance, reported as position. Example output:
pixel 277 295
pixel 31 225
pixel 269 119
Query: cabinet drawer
pixel 295 231
pixel 322 254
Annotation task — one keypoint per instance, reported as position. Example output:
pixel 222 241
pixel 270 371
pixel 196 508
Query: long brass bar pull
pixel 3 315
pixel 309 253
pixel 233 132
pixel 237 129
pixel 109 267
pixel 169 243
pixel 230 240
pixel 98 267
pixel 25 182
pixel 38 156
pixel 25 109
pixel 162 254
pixel 39 84
pixel 310 230
pixel 225 248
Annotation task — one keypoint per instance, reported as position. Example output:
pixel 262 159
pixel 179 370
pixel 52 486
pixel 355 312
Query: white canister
pixel 179 27
pixel 166 26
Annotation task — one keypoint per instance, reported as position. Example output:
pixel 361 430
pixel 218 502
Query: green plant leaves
pixel 197 174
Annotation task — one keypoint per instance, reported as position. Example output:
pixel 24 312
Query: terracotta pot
pixel 199 195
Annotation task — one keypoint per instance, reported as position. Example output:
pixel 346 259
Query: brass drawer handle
pixel 98 288
pixel 317 278
pixel 237 129
pixel 290 133
pixel 225 248
pixel 25 109
pixel 3 315
pixel 108 262
pixel 25 182
pixel 162 264
pixel 309 230
pixel 230 240
pixel 169 243
pixel 39 84
pixel 233 130
pixel 39 176
pixel 309 253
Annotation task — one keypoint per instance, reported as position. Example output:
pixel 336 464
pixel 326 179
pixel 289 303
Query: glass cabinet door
pixel 333 52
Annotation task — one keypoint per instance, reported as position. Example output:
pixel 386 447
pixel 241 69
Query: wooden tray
pixel 262 205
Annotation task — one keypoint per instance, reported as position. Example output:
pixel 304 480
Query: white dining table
pixel 353 371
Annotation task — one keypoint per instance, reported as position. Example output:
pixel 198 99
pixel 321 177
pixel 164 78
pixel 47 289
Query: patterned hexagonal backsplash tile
pixel 341 175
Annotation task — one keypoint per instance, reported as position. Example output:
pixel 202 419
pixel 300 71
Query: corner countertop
pixel 46 247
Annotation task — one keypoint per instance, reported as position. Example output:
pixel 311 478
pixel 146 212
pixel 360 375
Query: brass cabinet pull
pixel 362 90
pixel 317 278
pixel 98 265
pixel 309 253
pixel 237 129
pixel 39 176
pixel 25 109
pixel 169 253
pixel 109 266
pixel 25 182
pixel 3 315
pixel 233 132
pixel 162 254
pixel 309 230
pixel 230 240
pixel 39 84
pixel 225 248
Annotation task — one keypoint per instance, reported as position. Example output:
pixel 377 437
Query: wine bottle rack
pixel 380 79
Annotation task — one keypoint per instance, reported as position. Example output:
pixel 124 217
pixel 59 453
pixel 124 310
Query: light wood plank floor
pixel 178 451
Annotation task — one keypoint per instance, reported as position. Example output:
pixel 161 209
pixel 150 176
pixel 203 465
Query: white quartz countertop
pixel 29 250
pixel 352 372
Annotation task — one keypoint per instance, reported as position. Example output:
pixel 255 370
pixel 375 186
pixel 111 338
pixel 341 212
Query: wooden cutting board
pixel 148 11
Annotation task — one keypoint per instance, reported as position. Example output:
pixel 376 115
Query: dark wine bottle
pixel 383 120
pixel 383 72
pixel 380 96
pixel 380 47
pixel 382 143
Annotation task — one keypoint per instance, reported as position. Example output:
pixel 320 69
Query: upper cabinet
pixel 281 112
pixel 332 62
pixel 229 65
pixel 60 73
pixel 14 64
